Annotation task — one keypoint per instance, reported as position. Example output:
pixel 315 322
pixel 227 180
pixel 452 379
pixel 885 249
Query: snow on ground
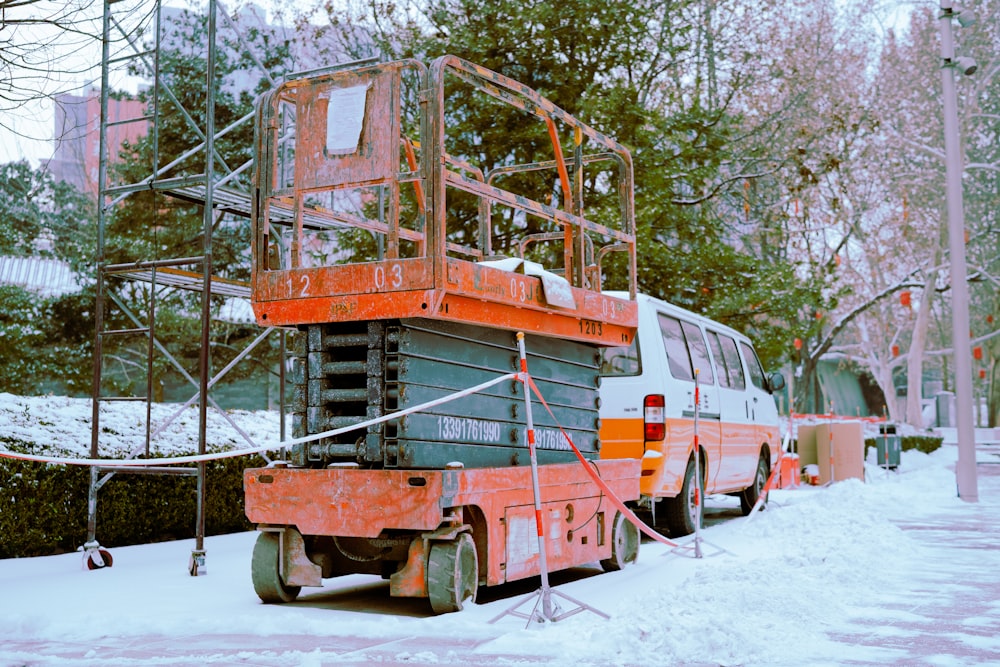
pixel 855 573
pixel 61 426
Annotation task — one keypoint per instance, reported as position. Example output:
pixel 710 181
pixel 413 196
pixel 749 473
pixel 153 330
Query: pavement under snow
pixel 895 570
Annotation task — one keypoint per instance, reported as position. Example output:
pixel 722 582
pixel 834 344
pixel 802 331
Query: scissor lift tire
pixel 452 574
pixel 264 571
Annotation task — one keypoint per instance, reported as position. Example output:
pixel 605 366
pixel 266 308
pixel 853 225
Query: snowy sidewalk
pixel 894 571
pixel 949 614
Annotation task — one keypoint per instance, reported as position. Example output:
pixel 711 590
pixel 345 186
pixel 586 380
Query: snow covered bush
pixel 43 508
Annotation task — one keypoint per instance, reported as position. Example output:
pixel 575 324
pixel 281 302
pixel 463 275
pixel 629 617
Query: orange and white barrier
pixel 522 376
pixel 619 505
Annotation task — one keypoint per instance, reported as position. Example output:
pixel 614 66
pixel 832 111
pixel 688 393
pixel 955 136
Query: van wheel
pixel 750 494
pixel 683 512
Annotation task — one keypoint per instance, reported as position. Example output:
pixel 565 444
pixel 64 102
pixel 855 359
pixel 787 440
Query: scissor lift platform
pixel 395 215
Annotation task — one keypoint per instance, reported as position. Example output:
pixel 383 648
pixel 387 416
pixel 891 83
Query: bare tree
pixel 914 175
pixel 38 39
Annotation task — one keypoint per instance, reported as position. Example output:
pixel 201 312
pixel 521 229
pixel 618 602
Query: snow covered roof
pixel 46 277
pixel 235 310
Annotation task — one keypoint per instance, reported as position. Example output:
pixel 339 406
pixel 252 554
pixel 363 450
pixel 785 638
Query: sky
pixel 27 132
pixel 893 570
pixel 73 61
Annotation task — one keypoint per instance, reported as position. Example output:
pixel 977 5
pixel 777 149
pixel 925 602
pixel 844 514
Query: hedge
pixel 43 507
pixel 923 443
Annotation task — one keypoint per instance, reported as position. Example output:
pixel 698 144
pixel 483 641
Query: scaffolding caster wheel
pixel 97 558
pixel 196 564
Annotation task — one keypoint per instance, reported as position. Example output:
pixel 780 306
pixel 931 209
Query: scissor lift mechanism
pixel 398 246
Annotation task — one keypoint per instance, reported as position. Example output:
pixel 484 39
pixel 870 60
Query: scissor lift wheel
pixel 452 574
pixel 624 544
pixel 264 570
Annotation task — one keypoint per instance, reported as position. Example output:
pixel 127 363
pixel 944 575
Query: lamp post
pixel 965 470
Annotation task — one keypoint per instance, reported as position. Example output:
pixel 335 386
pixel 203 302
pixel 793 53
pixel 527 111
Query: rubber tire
pixel 267 582
pixel 749 496
pixel 105 555
pixel 680 511
pixel 624 544
pixel 452 574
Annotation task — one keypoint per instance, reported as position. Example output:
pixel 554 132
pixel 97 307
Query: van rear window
pixel 622 360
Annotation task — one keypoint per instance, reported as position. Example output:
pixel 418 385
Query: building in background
pixel 45 276
pixel 76 159
pixel 77 117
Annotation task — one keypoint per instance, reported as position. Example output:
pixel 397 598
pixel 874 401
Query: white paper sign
pixel 345 119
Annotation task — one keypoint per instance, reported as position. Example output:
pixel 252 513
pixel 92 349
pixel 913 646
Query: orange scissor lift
pixel 408 251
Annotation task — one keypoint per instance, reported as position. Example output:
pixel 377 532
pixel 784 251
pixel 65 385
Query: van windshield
pixel 621 360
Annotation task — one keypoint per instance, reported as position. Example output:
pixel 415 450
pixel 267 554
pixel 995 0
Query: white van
pixel 648 412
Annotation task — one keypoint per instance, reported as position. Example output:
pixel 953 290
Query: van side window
pixel 622 360
pixel 729 375
pixel 736 378
pixel 676 348
pixel 699 352
pixel 717 360
pixel 753 363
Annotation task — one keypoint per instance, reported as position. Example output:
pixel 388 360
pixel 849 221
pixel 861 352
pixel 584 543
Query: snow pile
pixel 823 576
pixel 784 581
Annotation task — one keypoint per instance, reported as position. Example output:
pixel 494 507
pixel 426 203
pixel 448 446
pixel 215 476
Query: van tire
pixel 682 511
pixel 749 496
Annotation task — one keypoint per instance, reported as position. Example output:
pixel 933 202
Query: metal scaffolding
pixel 217 189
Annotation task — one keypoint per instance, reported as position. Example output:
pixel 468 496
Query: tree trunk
pixel 915 357
pixel 807 399
pixel 883 378
pixel 881 370
pixel 993 394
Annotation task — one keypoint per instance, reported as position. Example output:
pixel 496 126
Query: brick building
pixel 76 159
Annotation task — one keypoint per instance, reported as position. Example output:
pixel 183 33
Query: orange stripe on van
pixel 663 475
pixel 621 438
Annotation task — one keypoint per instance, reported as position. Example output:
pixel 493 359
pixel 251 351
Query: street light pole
pixel 965 470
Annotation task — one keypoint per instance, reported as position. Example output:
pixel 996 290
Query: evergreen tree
pixel 652 75
pixel 45 341
pixel 44 218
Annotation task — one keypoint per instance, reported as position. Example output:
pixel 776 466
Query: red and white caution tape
pixel 628 513
pixel 233 453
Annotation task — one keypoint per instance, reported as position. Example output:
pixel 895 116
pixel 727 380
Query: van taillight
pixel 652 417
